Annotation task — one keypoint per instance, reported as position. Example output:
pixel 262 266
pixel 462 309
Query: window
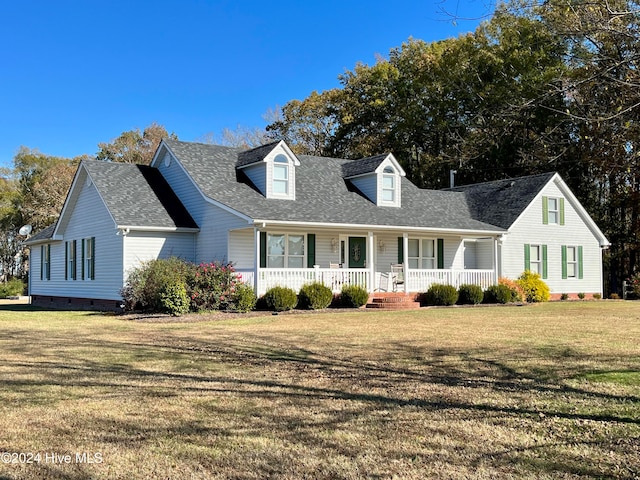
pixel 70 260
pixel 571 262
pixel 388 185
pixel 552 211
pixel 280 175
pixel 422 253
pixel 45 262
pixel 535 259
pixel 285 251
pixel 88 258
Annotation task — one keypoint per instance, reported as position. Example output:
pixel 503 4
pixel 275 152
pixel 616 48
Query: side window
pixel 88 258
pixel 45 262
pixel 70 260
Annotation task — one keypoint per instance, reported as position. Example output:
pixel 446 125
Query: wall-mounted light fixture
pixel 334 245
pixel 381 246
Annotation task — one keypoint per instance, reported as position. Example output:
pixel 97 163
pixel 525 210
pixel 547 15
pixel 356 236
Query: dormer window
pixel 280 175
pixel 389 185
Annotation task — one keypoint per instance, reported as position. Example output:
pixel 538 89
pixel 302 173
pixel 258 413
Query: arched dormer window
pixel 280 184
pixel 389 185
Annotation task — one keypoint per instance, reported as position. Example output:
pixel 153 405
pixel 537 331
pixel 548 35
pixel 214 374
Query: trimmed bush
pixel 581 295
pixel 281 299
pixel 597 296
pixel 13 288
pixel 354 296
pixel 442 295
pixel 535 289
pixel 470 294
pixel 498 294
pixel 243 298
pixel 315 296
pixel 564 296
pixel 174 299
pixel 518 292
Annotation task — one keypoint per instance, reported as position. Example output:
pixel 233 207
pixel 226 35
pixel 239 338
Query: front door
pixel 357 252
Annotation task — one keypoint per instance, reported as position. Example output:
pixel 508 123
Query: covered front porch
pixel 379 261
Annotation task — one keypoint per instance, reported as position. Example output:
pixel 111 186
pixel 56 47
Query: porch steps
pixel 393 301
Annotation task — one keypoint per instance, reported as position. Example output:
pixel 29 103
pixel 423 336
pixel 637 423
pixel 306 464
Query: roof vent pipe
pixel 452 180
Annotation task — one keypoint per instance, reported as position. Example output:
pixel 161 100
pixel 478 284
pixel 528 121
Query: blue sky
pixel 76 73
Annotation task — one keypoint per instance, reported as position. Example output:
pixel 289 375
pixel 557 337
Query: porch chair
pixel 397 275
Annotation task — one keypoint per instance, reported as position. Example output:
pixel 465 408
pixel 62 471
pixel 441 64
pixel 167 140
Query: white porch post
pixel 496 273
pixel 405 260
pixel 371 264
pixel 256 260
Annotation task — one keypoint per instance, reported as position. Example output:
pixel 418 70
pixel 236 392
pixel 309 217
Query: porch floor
pixel 393 301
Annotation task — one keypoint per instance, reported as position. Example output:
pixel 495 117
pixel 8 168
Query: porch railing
pixel 335 279
pixel 421 280
pixel 295 278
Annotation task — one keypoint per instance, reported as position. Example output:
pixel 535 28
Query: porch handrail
pixel 421 279
pixel 295 278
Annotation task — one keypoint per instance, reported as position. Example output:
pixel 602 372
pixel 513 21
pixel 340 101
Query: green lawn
pixel 543 391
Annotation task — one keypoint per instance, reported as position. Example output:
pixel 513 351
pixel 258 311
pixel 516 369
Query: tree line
pixel 541 86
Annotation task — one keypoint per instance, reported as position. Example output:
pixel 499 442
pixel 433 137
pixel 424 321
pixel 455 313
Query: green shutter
pixel 41 262
pixel 545 211
pixel 75 260
pixel 93 258
pixel 49 262
pixel 527 256
pixel 263 249
pixel 440 253
pixel 311 250
pixel 544 261
pixel 580 272
pixel 82 266
pixel 66 260
pixel 561 211
pixel 564 261
pixel 400 250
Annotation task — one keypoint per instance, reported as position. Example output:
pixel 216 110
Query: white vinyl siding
pixel 530 229
pixel 258 176
pixel 144 246
pixel 368 185
pixel 89 215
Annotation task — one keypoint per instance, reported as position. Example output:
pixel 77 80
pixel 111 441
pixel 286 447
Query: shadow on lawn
pixel 402 378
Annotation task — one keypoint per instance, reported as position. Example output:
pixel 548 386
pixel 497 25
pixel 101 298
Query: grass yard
pixel 545 391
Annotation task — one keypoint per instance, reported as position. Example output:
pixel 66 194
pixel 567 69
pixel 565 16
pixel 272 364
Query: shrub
pixel 211 286
pixel 146 283
pixel 470 294
pixel 535 289
pixel 634 283
pixel 281 299
pixel 354 296
pixel 517 291
pixel 596 296
pixel 564 296
pixel 243 298
pixel 12 288
pixel 498 294
pixel 315 296
pixel 174 299
pixel 614 296
pixel 581 295
pixel 439 294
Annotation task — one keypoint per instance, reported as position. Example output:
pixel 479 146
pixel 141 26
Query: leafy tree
pixel 134 146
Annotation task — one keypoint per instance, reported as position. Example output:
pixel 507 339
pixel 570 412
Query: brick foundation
pixel 75 303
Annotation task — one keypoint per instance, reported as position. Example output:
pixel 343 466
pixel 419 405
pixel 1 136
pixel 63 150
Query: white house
pixel 286 219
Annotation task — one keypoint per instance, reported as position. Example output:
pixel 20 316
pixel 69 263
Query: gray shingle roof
pixel 502 201
pixel 353 168
pixel 44 234
pixel 322 194
pixel 254 155
pixel 138 195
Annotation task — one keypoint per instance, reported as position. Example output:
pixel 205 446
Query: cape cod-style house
pixel 286 219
